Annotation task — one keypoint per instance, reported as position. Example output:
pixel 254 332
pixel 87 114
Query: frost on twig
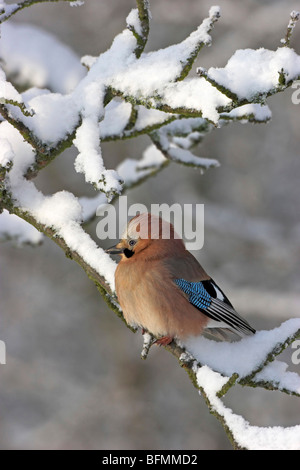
pixel 294 17
pixel 133 172
pixel 174 152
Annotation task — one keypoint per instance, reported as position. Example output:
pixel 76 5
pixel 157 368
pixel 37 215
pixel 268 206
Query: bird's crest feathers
pixel 149 226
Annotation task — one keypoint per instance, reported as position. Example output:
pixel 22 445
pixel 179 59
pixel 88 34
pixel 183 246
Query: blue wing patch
pixel 208 301
pixel 198 295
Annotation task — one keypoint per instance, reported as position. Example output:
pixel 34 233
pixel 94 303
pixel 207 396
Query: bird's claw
pixel 164 341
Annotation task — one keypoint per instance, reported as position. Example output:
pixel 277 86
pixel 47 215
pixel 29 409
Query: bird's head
pixel 145 233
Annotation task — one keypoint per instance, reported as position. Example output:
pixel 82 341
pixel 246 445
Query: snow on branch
pixel 146 77
pixel 9 95
pixel 138 23
pixel 176 153
pixel 175 113
pixel 146 80
pixel 194 43
pixel 123 120
pixel 241 433
pixel 133 172
pixel 234 358
pixel 294 17
pixel 253 112
pixel 7 11
pixel 16 229
pixel 275 376
pixel 58 216
pixel 125 93
pixel 32 57
pixel 253 75
pixel 216 367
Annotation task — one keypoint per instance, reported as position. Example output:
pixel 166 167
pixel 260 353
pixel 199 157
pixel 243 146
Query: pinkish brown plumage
pixel 155 283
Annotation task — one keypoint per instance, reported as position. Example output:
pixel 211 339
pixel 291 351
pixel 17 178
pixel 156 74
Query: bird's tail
pixel 223 334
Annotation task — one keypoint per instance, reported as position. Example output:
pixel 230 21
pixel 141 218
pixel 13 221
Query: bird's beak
pixel 115 250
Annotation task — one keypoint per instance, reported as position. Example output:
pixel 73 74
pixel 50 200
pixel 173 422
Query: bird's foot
pixel 164 341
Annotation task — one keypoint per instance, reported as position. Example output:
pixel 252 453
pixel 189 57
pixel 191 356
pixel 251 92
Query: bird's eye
pixel 132 242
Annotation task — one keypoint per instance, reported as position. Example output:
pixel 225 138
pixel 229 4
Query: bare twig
pixel 144 18
pixel 294 17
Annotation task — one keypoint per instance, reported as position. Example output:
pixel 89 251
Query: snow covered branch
pixel 216 367
pixel 156 80
pixel 125 93
pixel 138 24
pixel 176 153
pixel 251 76
pixel 7 11
pixel 294 17
pixel 133 172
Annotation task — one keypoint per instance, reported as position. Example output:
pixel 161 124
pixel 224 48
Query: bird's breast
pixel 149 298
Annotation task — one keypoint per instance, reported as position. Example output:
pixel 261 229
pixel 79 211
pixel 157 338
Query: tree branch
pixel 179 109
pixel 259 97
pixel 204 39
pixel 179 155
pixel 140 26
pixel 294 17
pixel 11 10
pixel 271 356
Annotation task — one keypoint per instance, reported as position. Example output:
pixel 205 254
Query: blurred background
pixel 74 378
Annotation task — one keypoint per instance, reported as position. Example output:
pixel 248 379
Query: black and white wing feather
pixel 207 297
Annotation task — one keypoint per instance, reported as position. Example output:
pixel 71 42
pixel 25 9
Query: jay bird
pixel 164 290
